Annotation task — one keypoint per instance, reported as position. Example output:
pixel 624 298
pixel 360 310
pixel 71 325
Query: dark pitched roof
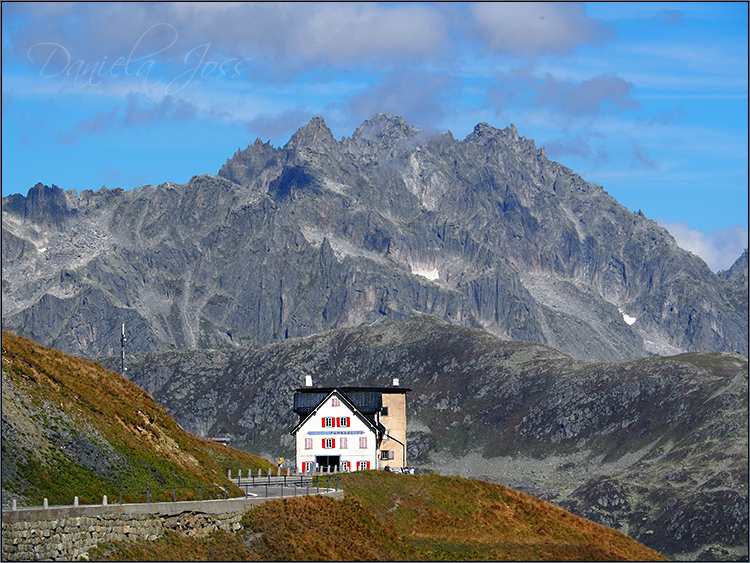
pixel 368 400
pixel 314 400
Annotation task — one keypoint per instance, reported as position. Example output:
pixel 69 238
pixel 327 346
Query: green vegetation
pixel 218 546
pixel 391 517
pixel 72 428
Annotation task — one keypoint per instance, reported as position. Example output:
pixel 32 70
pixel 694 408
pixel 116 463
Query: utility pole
pixel 123 340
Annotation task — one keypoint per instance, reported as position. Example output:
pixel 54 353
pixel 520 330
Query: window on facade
pixel 335 402
pixel 343 443
pixel 363 443
pixel 384 411
pixel 327 421
pixel 308 443
pixel 386 454
pixel 344 421
pixel 329 443
pixel 362 465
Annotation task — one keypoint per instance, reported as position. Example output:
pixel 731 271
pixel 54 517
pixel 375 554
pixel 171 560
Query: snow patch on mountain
pixel 627 318
pixel 433 274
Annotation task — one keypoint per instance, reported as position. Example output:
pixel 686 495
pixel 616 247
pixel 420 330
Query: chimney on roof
pixel 395 382
pixel 308 381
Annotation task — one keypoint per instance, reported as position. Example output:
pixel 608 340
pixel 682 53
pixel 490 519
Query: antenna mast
pixel 123 340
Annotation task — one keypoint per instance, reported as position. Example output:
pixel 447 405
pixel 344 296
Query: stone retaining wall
pixel 67 533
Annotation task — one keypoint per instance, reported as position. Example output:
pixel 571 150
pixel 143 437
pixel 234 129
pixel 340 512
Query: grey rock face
pixel 738 272
pixel 320 234
pixel 655 447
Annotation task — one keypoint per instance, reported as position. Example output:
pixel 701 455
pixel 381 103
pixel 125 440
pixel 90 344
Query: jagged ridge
pixel 285 242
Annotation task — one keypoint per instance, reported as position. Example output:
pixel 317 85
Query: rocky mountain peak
pixel 487 136
pixel 483 232
pixel 384 129
pixel 316 133
pixel 738 270
pixel 247 166
pixel 44 206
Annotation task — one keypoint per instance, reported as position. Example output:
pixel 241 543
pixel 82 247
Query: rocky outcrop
pixel 320 234
pixel 655 447
pixel 738 272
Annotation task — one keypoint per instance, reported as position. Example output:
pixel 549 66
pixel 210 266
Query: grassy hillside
pixel 654 447
pixel 71 428
pixel 390 517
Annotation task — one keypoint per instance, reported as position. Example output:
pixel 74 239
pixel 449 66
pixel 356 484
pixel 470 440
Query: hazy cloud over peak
pixel 575 145
pixel 599 95
pixel 605 93
pixel 417 96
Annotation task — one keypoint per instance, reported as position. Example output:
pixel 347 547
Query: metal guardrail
pixel 308 482
pixel 174 491
pixel 286 480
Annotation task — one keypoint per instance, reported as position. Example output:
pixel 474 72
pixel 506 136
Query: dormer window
pixel 335 402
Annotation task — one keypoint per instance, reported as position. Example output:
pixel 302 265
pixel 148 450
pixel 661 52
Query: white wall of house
pixel 316 438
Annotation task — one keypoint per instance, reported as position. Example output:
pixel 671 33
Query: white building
pixel 345 427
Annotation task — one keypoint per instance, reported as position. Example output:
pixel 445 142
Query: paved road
pixel 260 487
pixel 276 491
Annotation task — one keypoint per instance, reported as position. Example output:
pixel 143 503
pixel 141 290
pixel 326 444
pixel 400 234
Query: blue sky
pixel 649 100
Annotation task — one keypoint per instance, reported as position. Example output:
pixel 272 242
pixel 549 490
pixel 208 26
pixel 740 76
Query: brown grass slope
pixel 654 447
pixel 71 428
pixel 390 517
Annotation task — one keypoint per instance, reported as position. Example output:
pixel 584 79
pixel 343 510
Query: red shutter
pixel 337 420
pixel 348 423
pixel 368 465
pixel 324 442
pixel 333 442
pixel 323 422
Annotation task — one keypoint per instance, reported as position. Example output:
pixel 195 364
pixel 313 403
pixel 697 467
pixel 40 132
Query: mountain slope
pixel 71 428
pixel 285 242
pixel 654 447
pixel 389 517
pixel 107 433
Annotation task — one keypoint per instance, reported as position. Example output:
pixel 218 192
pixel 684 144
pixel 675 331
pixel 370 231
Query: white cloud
pixel 719 249
pixel 282 32
pixel 530 28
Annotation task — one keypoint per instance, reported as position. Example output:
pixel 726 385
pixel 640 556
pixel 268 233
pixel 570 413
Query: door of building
pixel 328 461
